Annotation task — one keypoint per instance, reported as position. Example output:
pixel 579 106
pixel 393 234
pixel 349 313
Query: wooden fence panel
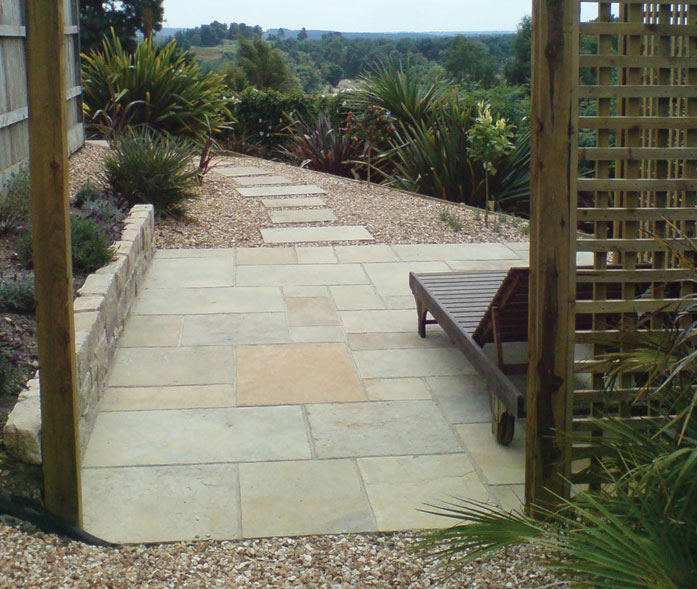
pixel 14 129
pixel 636 181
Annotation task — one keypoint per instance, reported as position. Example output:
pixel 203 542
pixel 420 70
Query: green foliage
pixel 261 117
pixel 320 146
pixel 10 377
pixel 157 86
pixel 125 17
pixel 518 70
pixel 15 201
pixel 150 167
pixel 17 293
pixel 91 246
pixel 87 193
pixel 265 68
pixel 451 220
pixel 106 209
pixel 470 61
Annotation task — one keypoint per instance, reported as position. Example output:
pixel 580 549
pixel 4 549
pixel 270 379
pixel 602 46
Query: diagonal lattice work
pixel 626 170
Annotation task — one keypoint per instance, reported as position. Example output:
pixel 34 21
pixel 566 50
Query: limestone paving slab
pixel 311 311
pixel 454 251
pixel 317 334
pixel 502 465
pixel 281 190
pixel 463 398
pixel 298 498
pixel 176 397
pixel 190 272
pixel 194 253
pixel 262 180
pixel 310 234
pixel 381 321
pixel 398 487
pixel 355 298
pixel 301 275
pixel 301 215
pixel 235 328
pixel 436 338
pixel 296 374
pixel 316 255
pixel 151 331
pixel 195 301
pixel 239 171
pixel 266 255
pixel 411 362
pixel 392 278
pixel 286 203
pixel 160 504
pixel 400 302
pixel 396 389
pixel 352 254
pixel 172 366
pixel 197 436
pixel 380 428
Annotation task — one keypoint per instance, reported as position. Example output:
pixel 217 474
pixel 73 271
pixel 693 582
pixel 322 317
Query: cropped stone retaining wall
pixel 101 309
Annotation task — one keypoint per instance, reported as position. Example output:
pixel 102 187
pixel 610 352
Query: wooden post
pixel 52 263
pixel 552 249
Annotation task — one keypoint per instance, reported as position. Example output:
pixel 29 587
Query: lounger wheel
pixel 502 422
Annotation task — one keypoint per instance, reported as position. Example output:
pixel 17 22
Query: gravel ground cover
pixel 30 558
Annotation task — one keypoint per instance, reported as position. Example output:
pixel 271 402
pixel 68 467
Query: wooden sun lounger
pixel 475 308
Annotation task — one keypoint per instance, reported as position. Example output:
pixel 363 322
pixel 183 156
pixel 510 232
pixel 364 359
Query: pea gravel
pixel 220 218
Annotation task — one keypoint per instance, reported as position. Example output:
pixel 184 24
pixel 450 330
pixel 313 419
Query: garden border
pixel 101 309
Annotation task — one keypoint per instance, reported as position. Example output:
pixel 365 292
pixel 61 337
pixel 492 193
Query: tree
pixel 124 16
pixel 302 35
pixel 518 70
pixel 265 68
pixel 470 61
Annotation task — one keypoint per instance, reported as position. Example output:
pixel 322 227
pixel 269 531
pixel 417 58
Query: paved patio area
pixel 285 391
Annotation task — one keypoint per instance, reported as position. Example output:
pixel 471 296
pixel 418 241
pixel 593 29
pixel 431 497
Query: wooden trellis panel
pixel 632 177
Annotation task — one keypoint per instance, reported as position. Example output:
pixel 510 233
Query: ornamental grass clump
pixel 146 166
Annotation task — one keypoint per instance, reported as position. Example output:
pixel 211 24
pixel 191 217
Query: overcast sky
pixel 353 15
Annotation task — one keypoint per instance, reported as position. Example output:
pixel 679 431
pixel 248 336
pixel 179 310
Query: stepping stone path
pixel 255 182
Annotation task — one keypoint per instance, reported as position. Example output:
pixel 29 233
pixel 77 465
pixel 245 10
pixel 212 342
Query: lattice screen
pixel 637 158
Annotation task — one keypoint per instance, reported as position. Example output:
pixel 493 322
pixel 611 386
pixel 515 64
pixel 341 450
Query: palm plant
pixel 639 528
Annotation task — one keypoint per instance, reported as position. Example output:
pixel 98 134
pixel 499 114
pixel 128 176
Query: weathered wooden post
pixel 52 262
pixel 552 249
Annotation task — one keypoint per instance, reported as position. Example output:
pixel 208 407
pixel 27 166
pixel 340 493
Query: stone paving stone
pixel 463 399
pixel 396 341
pixel 398 487
pixel 193 301
pixel 235 328
pixel 454 251
pixel 392 278
pixel 502 465
pixel 484 265
pixel 194 253
pixel 301 275
pixel 317 334
pixel 190 272
pixel 310 234
pixel 352 254
pixel 296 374
pixel 301 215
pixel 281 190
pixel 240 171
pixel 380 428
pixel 354 298
pixel 382 321
pixel 311 311
pixel 262 180
pixel 161 504
pixel 316 255
pixel 172 366
pixel 266 255
pixel 404 363
pixel 194 436
pixel 181 397
pixel 151 331
pixel 285 203
pixel 509 497
pixel 400 302
pixel 299 498
pixel 396 389
pixel 294 292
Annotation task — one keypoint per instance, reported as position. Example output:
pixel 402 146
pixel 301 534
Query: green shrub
pixel 261 117
pixel 451 220
pixel 151 167
pixel 105 208
pixel 15 201
pixel 158 86
pixel 90 246
pixel 9 375
pixel 87 193
pixel 17 293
